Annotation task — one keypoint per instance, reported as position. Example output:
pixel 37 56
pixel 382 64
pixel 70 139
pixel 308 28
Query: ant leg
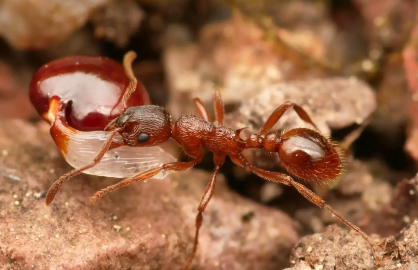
pixel 174 166
pixel 108 145
pixel 202 110
pixel 110 125
pixel 219 161
pixel 127 64
pixel 219 107
pixel 307 193
pixel 278 113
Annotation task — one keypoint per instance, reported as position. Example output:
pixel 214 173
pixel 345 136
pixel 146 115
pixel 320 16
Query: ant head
pixel 307 154
pixel 147 125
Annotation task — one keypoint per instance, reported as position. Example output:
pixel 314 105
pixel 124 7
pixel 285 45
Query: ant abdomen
pixel 307 154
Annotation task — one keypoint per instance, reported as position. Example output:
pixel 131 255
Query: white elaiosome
pixel 121 162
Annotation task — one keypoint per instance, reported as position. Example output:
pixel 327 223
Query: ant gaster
pixel 304 152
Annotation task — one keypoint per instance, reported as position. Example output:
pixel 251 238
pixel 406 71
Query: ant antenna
pixel 127 64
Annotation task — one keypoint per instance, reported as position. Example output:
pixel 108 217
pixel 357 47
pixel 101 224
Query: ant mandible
pixel 304 152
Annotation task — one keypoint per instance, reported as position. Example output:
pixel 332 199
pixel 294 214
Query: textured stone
pixel 337 249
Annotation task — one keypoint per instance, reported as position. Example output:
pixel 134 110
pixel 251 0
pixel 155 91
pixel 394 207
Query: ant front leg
pixel 219 161
pixel 278 113
pixel 307 193
pixel 108 145
pixel 174 166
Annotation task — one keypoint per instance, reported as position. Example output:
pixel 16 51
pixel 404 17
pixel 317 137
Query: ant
pixel 304 152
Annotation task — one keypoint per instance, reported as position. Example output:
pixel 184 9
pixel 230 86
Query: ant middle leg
pixel 174 166
pixel 278 113
pixel 303 190
pixel 219 107
pixel 202 110
pixel 108 145
pixel 219 161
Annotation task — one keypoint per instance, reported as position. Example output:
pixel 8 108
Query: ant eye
pixel 143 137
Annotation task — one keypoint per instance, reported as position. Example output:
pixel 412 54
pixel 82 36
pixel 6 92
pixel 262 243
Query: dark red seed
pixel 91 86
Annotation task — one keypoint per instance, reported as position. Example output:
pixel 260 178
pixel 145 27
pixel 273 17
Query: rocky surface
pixel 337 249
pixel 145 226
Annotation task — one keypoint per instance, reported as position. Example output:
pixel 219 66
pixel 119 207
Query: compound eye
pixel 143 137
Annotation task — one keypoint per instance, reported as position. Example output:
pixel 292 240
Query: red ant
pixel 304 152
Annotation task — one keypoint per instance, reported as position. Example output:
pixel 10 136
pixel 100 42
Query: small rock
pixel 356 179
pixel 40 24
pixel 117 21
pixel 378 197
pixel 300 266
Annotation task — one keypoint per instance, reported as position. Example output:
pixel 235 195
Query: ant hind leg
pixel 278 113
pixel 174 166
pixel 304 191
pixel 219 161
